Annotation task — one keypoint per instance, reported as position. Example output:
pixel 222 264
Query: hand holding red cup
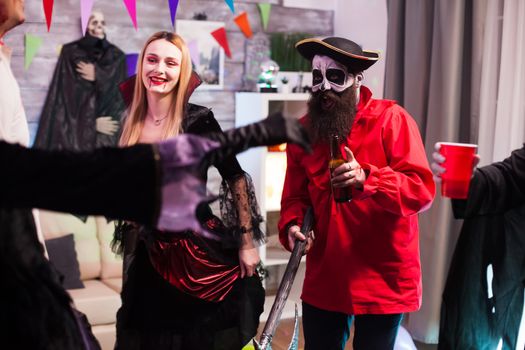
pixel 453 166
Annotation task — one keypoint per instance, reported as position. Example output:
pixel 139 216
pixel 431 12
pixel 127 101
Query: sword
pixel 284 290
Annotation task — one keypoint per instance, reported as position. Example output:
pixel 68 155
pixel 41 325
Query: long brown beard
pixel 337 120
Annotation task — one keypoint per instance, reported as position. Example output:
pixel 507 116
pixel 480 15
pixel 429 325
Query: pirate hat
pixel 342 50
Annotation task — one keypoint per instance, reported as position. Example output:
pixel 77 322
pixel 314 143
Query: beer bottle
pixel 340 194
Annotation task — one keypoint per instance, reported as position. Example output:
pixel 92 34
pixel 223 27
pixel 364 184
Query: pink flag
pixel 48 11
pixel 220 36
pixel 85 11
pixel 131 5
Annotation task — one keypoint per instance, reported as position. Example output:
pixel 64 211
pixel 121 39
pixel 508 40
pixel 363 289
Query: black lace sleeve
pixel 239 209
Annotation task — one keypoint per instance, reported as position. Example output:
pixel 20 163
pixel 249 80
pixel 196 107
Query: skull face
pixel 96 25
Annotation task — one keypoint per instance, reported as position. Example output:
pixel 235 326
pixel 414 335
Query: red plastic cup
pixel 459 158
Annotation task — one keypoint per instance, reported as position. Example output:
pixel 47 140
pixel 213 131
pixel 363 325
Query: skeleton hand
pixel 106 125
pixel 86 70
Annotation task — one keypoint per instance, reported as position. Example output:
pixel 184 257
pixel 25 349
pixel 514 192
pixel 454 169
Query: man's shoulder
pixel 383 108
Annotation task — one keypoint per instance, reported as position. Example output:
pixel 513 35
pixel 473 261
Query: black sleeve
pixel 495 188
pixel 229 168
pixel 118 183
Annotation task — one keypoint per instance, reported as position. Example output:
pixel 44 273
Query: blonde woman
pixel 182 291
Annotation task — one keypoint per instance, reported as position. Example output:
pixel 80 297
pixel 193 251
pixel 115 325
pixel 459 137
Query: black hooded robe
pixel 68 120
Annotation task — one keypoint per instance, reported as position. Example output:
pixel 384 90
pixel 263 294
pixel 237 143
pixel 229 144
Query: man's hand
pixel 248 260
pixel 86 70
pixel 294 232
pixel 438 160
pixel 106 125
pixel 349 173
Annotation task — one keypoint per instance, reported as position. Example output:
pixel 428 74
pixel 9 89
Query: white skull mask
pixel 328 74
pixel 97 25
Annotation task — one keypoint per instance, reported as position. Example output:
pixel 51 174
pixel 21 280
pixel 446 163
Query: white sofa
pixel 100 269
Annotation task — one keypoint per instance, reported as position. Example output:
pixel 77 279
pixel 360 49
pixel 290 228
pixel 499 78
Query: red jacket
pixel 365 259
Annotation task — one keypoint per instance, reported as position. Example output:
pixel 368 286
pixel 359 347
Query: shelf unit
pixel 267 170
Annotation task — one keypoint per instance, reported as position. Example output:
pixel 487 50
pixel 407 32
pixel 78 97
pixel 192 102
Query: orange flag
pixel 244 24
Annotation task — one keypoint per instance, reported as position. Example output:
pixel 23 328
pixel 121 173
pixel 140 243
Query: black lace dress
pixel 183 291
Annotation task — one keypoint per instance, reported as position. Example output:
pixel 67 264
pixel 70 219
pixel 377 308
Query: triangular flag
pixel 85 11
pixel 32 45
pixel 48 11
pixel 265 13
pixel 131 63
pixel 230 5
pixel 244 24
pixel 220 36
pixel 193 46
pixel 131 5
pixel 173 10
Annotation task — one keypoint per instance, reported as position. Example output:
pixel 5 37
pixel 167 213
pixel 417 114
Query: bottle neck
pixel 335 148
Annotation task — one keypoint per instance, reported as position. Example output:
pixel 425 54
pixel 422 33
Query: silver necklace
pixel 158 121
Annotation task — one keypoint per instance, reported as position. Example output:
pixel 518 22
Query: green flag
pixel 265 13
pixel 32 45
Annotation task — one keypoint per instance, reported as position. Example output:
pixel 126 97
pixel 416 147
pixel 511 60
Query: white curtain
pixel 502 95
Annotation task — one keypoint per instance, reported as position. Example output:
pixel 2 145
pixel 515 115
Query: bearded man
pixel 365 260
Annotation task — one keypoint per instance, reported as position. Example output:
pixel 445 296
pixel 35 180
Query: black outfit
pixel 329 330
pixel 36 311
pixel 68 120
pixel 493 233
pixel 155 314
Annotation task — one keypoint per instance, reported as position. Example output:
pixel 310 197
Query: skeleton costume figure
pixel 83 108
pixel 371 240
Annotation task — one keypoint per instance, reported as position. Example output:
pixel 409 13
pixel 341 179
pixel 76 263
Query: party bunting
pixel 244 24
pixel 85 11
pixel 193 47
pixel 265 13
pixel 48 11
pixel 220 36
pixel 173 10
pixel 131 5
pixel 230 5
pixel 32 45
pixel 131 63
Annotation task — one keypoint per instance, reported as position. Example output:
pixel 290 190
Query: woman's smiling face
pixel 161 67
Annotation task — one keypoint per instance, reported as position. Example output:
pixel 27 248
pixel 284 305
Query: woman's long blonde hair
pixel 139 106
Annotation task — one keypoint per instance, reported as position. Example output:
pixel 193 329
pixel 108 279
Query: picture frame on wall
pixel 206 54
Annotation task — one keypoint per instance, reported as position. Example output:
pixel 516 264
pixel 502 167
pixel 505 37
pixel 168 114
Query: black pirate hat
pixel 342 50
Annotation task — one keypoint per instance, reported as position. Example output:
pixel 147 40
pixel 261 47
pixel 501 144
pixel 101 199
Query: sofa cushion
pixel 99 302
pixel 86 242
pixel 62 254
pixel 111 263
pixel 106 335
pixel 114 283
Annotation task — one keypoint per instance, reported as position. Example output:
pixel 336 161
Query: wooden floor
pixel 284 332
pixel 283 335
